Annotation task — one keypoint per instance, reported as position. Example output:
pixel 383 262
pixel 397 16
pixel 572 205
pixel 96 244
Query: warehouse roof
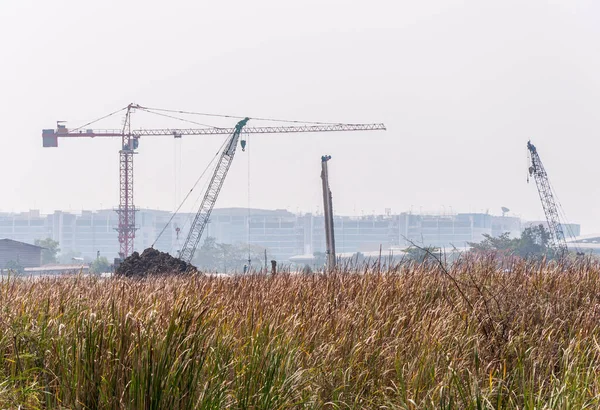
pixel 10 241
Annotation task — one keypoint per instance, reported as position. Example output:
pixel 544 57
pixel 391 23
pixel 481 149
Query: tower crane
pixel 130 142
pixel 557 235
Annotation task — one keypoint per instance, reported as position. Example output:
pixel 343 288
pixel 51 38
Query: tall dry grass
pixel 477 334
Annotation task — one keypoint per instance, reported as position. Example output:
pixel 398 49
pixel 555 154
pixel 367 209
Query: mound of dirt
pixel 152 262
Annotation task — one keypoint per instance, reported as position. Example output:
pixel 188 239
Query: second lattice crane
pixel 555 227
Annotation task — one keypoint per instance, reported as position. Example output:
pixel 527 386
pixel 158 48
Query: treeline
pixel 224 257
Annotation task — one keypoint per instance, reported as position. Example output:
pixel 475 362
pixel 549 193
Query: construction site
pixel 180 234
pixel 322 205
pixel 216 171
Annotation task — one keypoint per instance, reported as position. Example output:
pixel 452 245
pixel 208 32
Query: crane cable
pixel 99 119
pixel 177 160
pixel 187 224
pixel 150 111
pixel 564 218
pixel 162 111
pixel 176 182
pixel 240 117
pixel 190 191
pixel 248 179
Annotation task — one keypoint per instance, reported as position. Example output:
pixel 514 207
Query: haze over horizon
pixel 460 85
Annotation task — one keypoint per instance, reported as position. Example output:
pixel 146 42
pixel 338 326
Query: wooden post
pixel 273 267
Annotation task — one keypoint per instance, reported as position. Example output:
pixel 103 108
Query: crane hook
pixel 243 144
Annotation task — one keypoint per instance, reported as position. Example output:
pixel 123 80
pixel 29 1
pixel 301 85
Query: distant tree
pixel 100 265
pixel 420 254
pixel 15 267
pixel 51 250
pixel 533 242
pixel 213 256
pixel 230 257
pixel 502 243
pixel 66 258
pixel 207 256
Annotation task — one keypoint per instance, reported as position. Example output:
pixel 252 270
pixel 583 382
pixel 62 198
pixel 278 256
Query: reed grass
pixel 479 334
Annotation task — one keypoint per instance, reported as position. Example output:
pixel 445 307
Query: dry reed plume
pixel 473 335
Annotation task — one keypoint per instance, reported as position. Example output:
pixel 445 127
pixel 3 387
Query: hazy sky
pixel 461 86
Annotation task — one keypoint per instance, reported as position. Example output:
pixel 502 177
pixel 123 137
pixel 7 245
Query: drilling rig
pixel 328 213
pixel 130 142
pixel 555 228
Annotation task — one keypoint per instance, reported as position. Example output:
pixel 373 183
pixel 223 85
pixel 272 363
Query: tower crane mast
pixel 130 142
pixel 537 170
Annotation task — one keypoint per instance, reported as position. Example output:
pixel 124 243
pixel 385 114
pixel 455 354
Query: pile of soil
pixel 152 262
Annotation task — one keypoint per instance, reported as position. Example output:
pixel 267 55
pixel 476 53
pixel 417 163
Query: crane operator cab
pixel 132 144
pixel 61 128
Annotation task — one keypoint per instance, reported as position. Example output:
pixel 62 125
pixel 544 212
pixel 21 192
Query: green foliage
pixel 223 257
pixel 207 256
pixel 534 242
pixel 49 254
pixel 421 255
pixel 502 243
pixel 66 258
pixel 100 265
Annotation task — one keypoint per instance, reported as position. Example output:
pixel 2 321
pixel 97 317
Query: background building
pixel 23 254
pixel 283 233
pixel 571 231
pixel 445 231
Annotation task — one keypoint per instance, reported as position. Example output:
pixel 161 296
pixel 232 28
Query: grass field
pixel 477 335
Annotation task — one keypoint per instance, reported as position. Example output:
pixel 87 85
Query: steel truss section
pixel 224 131
pixel 126 210
pixel 210 197
pixel 557 235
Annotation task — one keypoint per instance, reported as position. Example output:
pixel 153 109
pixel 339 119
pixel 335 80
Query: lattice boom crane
pixel 557 235
pixel 130 141
pixel 212 193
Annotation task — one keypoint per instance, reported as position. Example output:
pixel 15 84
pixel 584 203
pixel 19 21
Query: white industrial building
pixel 283 233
